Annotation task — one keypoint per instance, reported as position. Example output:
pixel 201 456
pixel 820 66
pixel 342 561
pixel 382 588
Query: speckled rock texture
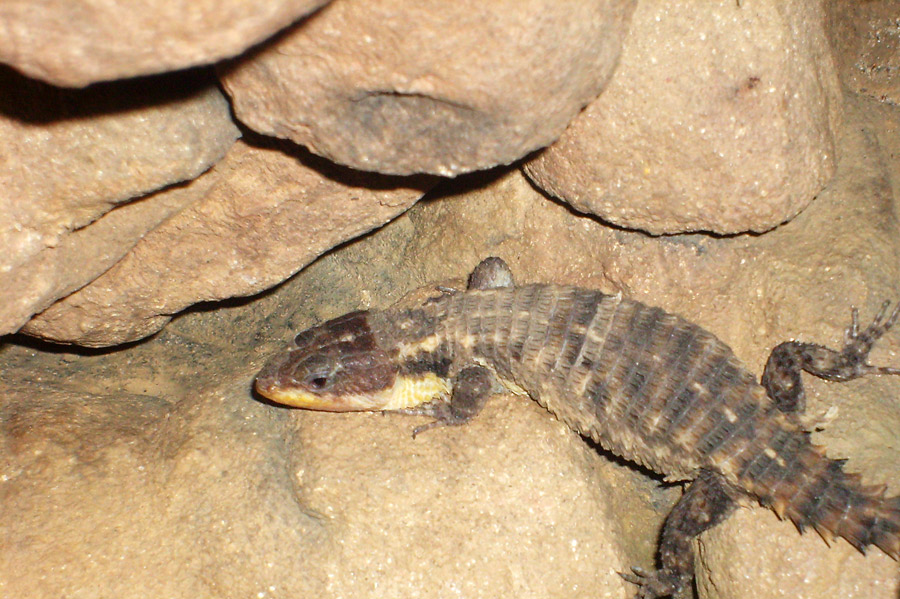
pixel 151 470
pixel 146 494
pixel 720 117
pixel 866 43
pixel 68 157
pixel 256 218
pixel 77 43
pixel 165 458
pixel 401 86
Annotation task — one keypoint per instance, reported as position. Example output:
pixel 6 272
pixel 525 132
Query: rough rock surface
pixel 257 217
pixel 140 495
pixel 68 157
pixel 402 87
pixel 80 256
pixel 866 44
pixel 720 117
pixel 77 43
pixel 118 467
pixel 152 472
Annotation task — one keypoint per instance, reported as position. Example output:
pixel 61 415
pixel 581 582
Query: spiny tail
pixel 797 480
pixel 835 503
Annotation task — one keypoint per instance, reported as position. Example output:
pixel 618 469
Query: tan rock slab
pixel 140 496
pixel 81 256
pixel 785 562
pixel 451 515
pixel 865 39
pixel 77 43
pixel 260 500
pixel 68 157
pixel 720 117
pixel 402 86
pixel 258 217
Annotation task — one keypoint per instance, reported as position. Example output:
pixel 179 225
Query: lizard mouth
pixel 270 388
pixel 274 382
pixel 275 385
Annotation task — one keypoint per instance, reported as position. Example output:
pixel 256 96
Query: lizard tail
pixel 797 480
pixel 836 503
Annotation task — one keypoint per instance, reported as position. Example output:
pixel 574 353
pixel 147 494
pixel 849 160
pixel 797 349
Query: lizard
pixel 647 385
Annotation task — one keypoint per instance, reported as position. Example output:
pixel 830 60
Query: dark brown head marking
pixel 332 366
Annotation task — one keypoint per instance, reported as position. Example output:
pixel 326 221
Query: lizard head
pixel 336 366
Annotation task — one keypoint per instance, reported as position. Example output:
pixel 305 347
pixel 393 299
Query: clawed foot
pixel 781 377
pixel 661 583
pixel 439 409
pixel 444 292
pixel 818 422
pixel 447 290
pixel 857 345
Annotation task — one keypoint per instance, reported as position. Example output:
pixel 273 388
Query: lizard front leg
pixel 472 385
pixel 471 389
pixel 491 273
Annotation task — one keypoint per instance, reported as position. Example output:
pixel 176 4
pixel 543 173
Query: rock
pixel 139 496
pixel 865 40
pixel 68 157
pixel 720 117
pixel 77 43
pixel 81 256
pixel 404 87
pixel 459 516
pixel 231 241
pixel 785 562
pixel 162 442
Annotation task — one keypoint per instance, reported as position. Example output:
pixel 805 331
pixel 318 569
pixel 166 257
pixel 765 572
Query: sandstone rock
pixel 458 516
pixel 720 117
pixel 403 87
pixel 865 38
pixel 150 453
pixel 81 256
pixel 70 156
pixel 258 217
pixel 783 562
pixel 136 496
pixel 77 43
pixel 151 471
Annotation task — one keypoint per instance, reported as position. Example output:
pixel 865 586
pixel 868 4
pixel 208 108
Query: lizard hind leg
pixel 706 503
pixel 781 376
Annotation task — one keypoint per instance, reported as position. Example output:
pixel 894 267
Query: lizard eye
pixel 318 382
pixel 318 372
